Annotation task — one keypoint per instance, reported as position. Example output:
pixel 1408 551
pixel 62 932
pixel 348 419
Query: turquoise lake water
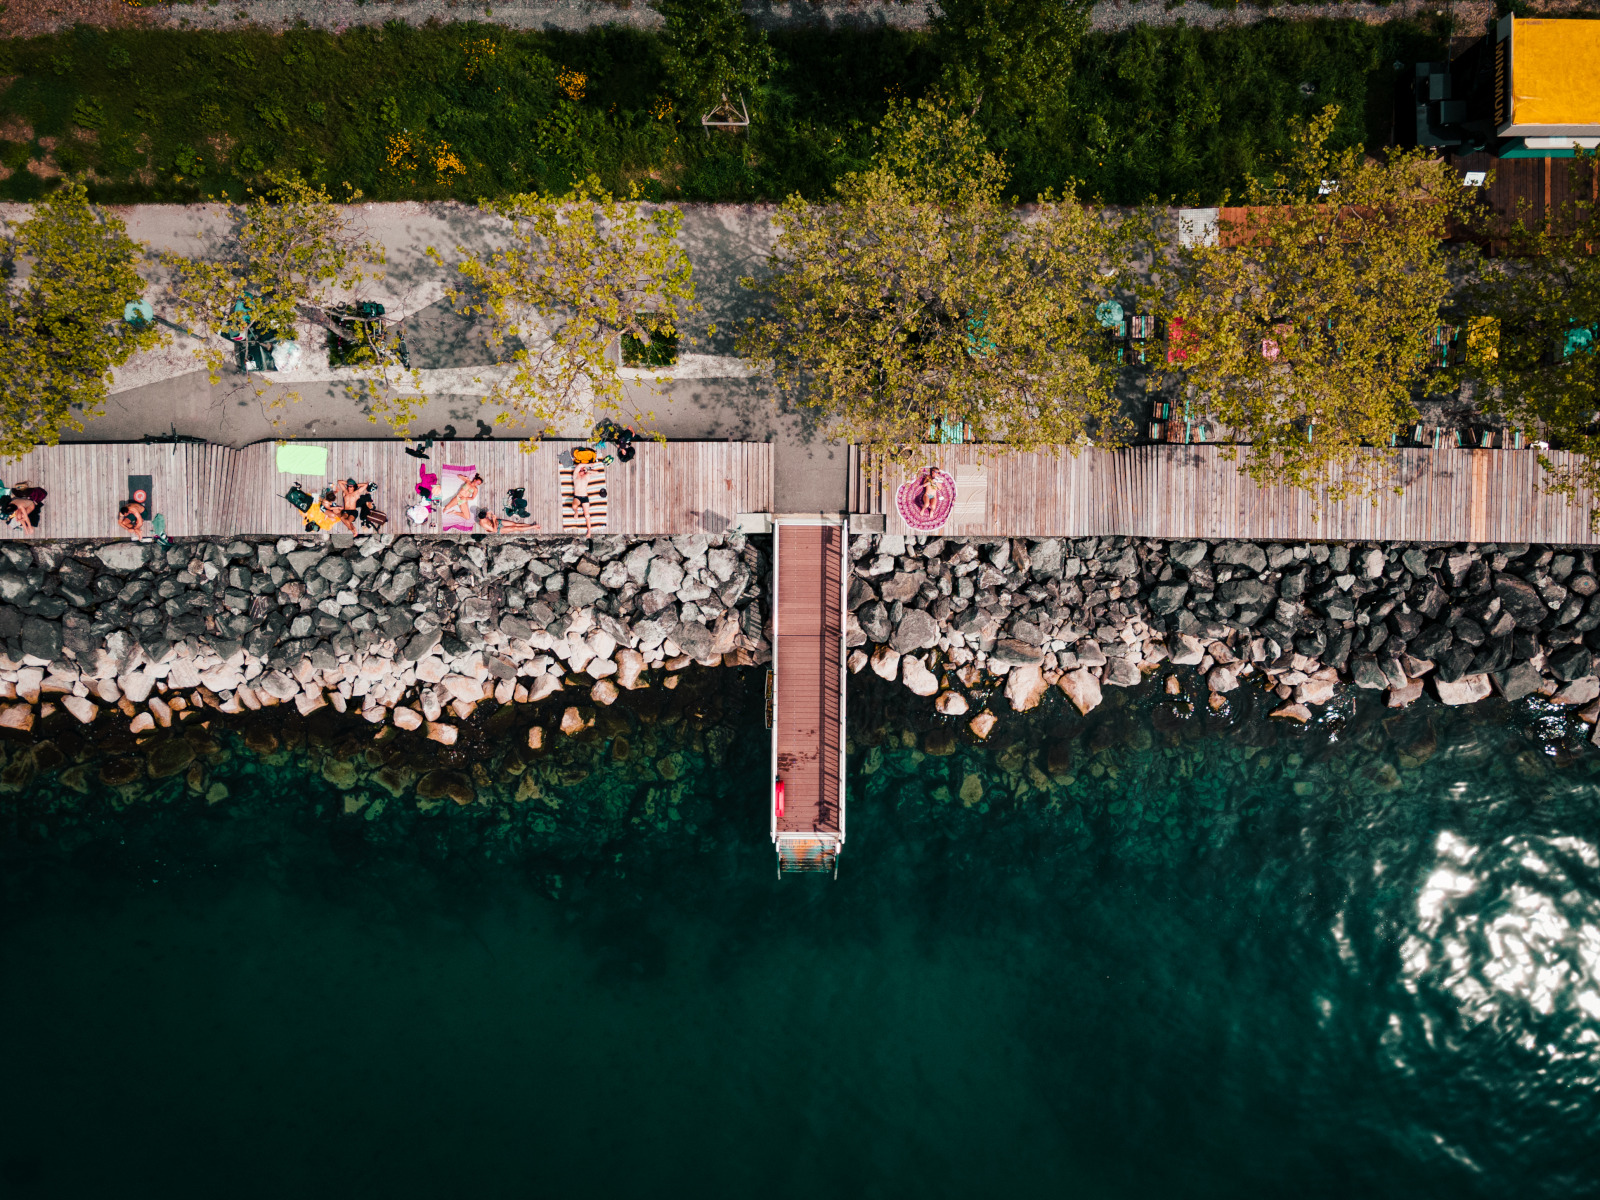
pixel 1145 954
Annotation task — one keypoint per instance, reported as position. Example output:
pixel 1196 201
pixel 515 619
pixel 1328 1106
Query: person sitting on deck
pixel 371 516
pixel 24 507
pixel 489 523
pixel 131 517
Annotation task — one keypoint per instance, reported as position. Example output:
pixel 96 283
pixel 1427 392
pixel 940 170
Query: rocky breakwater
pixel 955 619
pixel 412 631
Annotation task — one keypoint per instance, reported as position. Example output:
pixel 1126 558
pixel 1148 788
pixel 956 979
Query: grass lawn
pixel 467 111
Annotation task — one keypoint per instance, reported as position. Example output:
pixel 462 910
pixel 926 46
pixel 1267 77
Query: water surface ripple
pixel 1148 953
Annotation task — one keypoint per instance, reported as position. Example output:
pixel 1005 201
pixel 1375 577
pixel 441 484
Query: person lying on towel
pixel 489 523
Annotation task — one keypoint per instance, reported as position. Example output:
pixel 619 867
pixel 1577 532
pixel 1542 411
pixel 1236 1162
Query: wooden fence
pixel 668 488
pixel 1200 492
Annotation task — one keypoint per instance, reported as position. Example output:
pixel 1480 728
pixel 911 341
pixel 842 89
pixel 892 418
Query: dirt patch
pixel 15 129
pixel 85 135
pixel 45 168
pixel 49 143
pixel 222 145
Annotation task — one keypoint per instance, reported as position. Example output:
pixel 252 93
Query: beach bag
pixel 298 496
pixel 583 455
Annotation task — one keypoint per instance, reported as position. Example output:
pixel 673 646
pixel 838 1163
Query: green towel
pixel 296 458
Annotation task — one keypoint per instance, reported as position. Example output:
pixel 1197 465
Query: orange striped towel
pixel 571 518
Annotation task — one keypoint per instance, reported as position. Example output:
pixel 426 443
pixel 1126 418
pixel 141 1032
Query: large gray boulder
pixel 41 638
pixel 664 575
pixel 1168 598
pixel 694 639
pixel 1517 681
pixel 874 620
pixel 122 557
pixel 335 570
pixel 1242 554
pixel 1518 597
pixel 582 591
pixel 917 631
pixel 1011 652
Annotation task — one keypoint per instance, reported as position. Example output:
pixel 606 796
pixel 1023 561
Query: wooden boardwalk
pixel 808 715
pixel 669 488
pixel 1199 492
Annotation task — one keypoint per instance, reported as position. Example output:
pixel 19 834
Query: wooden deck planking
pixel 1170 491
pixel 810 686
pixel 670 488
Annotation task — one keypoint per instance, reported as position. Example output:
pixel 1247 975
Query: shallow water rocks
pixel 951 704
pixel 1025 687
pixel 1082 688
pixel 1469 689
pixel 916 676
pixel 168 757
pixel 447 785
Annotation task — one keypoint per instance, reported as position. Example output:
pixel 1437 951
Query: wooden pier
pixel 808 802
pixel 217 491
pixel 1199 492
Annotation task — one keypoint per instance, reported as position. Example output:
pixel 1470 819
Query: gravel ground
pixel 24 18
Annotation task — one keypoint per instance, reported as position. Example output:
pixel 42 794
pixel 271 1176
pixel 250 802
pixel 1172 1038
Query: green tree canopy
pixel 1306 328
pixel 1015 54
pixel 62 331
pixel 711 50
pixel 579 271
pixel 921 294
pixel 290 248
pixel 1532 338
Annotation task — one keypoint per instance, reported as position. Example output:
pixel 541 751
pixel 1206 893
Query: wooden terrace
pixel 217 491
pixel 1198 491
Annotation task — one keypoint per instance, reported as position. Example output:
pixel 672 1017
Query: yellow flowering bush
pixel 571 83
pixel 478 52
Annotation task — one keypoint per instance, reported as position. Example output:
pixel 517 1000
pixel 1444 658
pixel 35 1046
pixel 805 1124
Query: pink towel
pixel 450 522
pixel 426 479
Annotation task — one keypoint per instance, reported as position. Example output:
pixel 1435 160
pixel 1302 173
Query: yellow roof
pixel 1555 72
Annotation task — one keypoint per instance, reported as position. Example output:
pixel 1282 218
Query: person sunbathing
pixel 461 502
pixel 333 507
pixel 580 498
pixel 932 491
pixel 489 523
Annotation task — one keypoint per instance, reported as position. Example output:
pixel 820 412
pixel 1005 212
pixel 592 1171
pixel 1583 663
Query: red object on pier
pixel 780 799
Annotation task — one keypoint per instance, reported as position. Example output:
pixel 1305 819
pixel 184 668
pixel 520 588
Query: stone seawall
pixel 412 631
pixel 956 618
